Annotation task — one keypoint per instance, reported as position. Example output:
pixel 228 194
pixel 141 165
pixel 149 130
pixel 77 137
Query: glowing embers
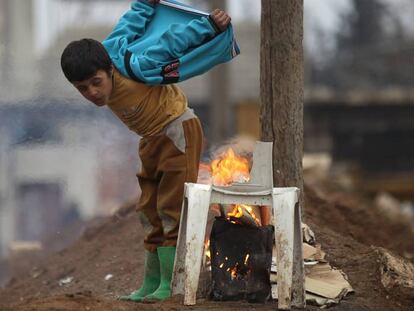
pixel 241 257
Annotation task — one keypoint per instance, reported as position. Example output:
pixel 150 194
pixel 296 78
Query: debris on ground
pixel 65 281
pixel 397 273
pixel 345 225
pixel 308 235
pixel 324 285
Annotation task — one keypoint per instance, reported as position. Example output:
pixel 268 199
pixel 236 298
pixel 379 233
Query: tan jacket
pixel 145 109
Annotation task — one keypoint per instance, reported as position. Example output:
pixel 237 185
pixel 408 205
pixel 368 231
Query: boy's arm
pixel 133 23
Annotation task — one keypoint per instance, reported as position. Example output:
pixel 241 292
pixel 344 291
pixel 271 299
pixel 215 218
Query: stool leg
pixel 197 212
pixel 283 211
pixel 298 290
pixel 177 284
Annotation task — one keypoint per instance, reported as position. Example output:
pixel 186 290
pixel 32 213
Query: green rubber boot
pixel 166 256
pixel 151 278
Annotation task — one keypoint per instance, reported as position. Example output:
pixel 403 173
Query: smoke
pixel 242 145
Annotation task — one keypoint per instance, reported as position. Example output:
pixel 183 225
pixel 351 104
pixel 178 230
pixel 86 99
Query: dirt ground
pixel 348 227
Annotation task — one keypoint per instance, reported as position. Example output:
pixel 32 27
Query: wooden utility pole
pixel 281 88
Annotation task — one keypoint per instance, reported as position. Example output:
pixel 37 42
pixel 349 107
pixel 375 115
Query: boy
pixel 171 134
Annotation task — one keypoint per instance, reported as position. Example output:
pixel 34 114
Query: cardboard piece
pixel 308 235
pixel 324 285
pixel 311 253
pixel 324 281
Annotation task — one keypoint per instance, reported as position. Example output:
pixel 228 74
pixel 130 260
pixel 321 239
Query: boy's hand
pixel 153 2
pixel 221 19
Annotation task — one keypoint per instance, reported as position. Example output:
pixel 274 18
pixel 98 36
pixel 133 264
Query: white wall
pixel 75 168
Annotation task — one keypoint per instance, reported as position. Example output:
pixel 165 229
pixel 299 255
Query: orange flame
pixel 207 250
pixel 239 209
pixel 229 168
pixel 246 259
pixel 233 272
pixel 238 271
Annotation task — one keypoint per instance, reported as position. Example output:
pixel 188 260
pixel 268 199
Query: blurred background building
pixel 63 160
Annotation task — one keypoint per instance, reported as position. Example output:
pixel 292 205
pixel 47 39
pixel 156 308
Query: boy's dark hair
pixel 81 59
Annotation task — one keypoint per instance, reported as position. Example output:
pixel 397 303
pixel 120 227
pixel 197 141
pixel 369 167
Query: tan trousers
pixel 168 160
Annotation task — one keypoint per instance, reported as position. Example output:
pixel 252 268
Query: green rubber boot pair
pixel 157 276
pixel 151 278
pixel 166 255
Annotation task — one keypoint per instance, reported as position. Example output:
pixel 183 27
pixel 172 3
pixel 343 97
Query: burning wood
pixel 244 214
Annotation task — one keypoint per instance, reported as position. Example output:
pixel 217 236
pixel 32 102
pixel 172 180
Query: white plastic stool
pixel 258 191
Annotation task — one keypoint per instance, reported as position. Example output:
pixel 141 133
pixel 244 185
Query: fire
pixel 223 171
pixel 207 252
pixel 239 271
pixel 246 259
pixel 229 168
pixel 233 272
pixel 240 209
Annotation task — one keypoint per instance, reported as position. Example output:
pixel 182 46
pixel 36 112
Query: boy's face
pixel 96 89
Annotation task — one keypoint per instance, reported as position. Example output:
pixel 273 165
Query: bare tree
pixel 373 50
pixel 281 88
pixel 281 91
